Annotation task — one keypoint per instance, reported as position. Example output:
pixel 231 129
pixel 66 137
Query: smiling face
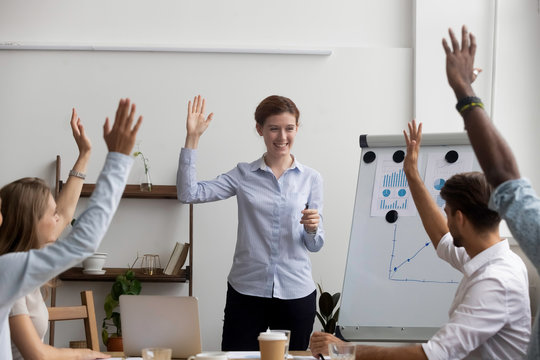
pixel 46 225
pixel 278 132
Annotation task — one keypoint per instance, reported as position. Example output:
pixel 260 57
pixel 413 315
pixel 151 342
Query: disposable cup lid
pixel 267 335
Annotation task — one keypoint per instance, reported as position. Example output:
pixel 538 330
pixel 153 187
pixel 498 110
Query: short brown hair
pixel 469 193
pixel 275 105
pixel 24 202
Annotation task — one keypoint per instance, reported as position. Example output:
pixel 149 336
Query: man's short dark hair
pixel 469 193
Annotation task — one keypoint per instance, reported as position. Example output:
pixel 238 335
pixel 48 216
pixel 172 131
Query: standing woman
pixel 280 205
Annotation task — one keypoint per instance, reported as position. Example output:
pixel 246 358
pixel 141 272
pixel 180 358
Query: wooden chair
pixel 85 312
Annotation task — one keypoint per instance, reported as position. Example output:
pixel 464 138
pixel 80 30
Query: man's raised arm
pixel 494 155
pixel 433 220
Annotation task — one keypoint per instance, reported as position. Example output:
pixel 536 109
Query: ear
pixel 259 129
pixel 461 219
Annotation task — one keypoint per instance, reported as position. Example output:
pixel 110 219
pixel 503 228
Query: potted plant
pixel 326 314
pixel 125 284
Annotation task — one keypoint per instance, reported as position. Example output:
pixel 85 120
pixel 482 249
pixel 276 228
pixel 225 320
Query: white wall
pixel 365 86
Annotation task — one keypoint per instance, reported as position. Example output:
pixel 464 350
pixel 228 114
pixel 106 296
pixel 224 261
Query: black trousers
pixel 247 316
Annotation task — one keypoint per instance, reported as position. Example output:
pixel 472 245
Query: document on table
pixel 257 355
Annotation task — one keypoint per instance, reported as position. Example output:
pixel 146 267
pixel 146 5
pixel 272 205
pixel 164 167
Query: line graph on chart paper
pixel 408 262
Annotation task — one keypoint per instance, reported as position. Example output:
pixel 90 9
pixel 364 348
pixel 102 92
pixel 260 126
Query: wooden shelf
pixel 133 191
pixel 76 274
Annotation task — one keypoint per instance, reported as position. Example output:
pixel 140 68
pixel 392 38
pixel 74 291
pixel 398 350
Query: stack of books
pixel 177 259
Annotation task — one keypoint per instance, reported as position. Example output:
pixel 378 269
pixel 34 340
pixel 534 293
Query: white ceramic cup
pixel 95 262
pixel 211 355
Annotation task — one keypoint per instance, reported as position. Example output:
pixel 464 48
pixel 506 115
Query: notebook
pixel 160 321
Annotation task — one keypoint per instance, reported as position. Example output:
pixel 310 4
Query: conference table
pixel 301 354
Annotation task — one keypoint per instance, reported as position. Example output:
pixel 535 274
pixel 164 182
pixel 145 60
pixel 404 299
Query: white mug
pixel 211 355
pixel 95 262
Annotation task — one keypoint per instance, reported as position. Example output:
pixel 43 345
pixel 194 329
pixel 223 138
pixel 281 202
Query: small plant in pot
pixel 111 332
pixel 326 314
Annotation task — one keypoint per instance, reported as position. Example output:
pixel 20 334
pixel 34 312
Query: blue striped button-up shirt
pixel 271 257
pixel 518 204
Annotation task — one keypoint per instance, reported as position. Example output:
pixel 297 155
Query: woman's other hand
pixel 196 123
pixel 310 219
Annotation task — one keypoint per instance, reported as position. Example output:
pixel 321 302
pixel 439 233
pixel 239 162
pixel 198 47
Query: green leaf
pixel 125 287
pixel 104 337
pixel 323 323
pixel 330 326
pixel 109 305
pixel 130 275
pixel 335 298
pixel 117 290
pixel 117 323
pixel 336 315
pixel 326 305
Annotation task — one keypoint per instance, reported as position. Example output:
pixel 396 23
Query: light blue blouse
pixel 22 272
pixel 271 257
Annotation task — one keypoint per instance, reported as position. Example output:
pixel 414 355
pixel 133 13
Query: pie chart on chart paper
pixel 439 183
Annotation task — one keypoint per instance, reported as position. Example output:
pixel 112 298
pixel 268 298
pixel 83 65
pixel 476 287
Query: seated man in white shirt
pixel 490 316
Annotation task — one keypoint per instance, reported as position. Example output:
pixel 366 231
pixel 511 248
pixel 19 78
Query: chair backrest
pixel 86 312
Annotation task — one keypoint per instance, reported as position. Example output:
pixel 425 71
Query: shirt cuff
pixel 430 349
pixel 188 156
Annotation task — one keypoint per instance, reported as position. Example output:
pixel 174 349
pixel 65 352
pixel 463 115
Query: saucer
pixel 93 272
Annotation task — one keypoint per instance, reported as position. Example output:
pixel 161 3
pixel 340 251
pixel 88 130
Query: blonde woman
pixel 32 219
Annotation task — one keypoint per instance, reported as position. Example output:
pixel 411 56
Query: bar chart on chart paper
pixel 391 190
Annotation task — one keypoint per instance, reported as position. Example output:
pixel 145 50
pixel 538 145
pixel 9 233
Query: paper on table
pixel 243 354
pixel 250 355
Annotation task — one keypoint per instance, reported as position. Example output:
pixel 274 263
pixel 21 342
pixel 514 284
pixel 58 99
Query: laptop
pixel 160 321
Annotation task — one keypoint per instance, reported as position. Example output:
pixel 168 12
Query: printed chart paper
pixel 439 170
pixel 391 190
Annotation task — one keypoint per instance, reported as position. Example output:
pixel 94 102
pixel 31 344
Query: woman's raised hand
pixel 77 128
pixel 196 123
